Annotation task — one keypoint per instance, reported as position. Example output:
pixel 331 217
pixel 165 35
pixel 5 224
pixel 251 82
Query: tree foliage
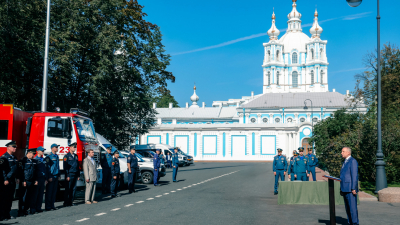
pixel 163 97
pixel 104 57
pixel 359 131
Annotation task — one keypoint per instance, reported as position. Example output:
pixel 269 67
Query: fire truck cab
pixel 34 129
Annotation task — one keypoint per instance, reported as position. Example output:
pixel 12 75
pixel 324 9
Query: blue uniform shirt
pixel 156 161
pixel 27 170
pixel 52 165
pixel 10 165
pixel 279 163
pixel 175 159
pixel 115 169
pixel 133 161
pixel 106 161
pixel 300 164
pixel 71 165
pixel 312 160
pixel 41 167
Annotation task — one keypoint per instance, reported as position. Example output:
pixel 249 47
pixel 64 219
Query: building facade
pixel 295 96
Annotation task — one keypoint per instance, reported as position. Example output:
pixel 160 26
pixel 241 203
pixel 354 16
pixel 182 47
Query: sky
pixel 218 44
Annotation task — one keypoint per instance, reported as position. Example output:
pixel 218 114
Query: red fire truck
pixel 34 129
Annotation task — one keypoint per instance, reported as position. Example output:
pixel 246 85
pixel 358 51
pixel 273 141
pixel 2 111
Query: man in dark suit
pixel 349 185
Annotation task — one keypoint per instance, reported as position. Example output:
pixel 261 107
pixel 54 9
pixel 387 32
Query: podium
pixel 331 186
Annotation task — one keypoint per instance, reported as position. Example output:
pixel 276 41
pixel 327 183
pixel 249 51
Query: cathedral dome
pixel 294 40
pixel 316 29
pixel 273 32
pixel 294 14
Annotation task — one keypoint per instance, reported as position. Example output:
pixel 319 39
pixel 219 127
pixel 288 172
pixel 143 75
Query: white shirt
pixel 345 161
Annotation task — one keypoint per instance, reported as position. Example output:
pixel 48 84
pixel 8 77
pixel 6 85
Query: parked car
pixel 190 160
pixel 151 148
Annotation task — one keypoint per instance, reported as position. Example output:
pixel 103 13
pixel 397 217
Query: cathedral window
pixel 277 55
pixel 295 81
pixel 322 76
pixel 253 120
pixel 277 120
pixel 294 58
pixel 269 55
pixel 320 53
pixel 312 53
pixel 289 120
pixel 277 77
pixel 265 120
pixel 302 119
pixel 269 78
pixel 312 77
pixel 315 119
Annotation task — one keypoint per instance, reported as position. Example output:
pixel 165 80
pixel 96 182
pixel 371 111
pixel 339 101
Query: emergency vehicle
pixel 34 129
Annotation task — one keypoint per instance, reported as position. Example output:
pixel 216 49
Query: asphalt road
pixel 207 193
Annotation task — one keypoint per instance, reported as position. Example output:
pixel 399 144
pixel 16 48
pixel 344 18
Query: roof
pixel 188 113
pixel 296 100
pixel 294 40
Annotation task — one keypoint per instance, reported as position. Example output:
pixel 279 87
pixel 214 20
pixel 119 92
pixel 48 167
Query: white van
pixel 165 148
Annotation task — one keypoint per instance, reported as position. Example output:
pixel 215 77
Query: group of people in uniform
pixel 300 166
pixel 37 174
pixel 34 175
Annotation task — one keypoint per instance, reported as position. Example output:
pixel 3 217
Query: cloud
pixel 349 70
pixel 356 16
pixel 350 17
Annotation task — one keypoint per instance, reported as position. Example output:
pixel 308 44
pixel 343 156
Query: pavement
pixel 207 193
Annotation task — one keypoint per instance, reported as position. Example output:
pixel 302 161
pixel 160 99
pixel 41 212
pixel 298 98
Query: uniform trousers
pixel 155 177
pixel 350 202
pixel 8 191
pixel 51 192
pixel 70 189
pixel 90 191
pixel 132 180
pixel 174 172
pixel 312 171
pixel 114 186
pixel 292 178
pixel 37 201
pixel 26 194
pixel 106 180
pixel 302 176
pixel 279 173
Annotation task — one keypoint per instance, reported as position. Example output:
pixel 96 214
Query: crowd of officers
pixel 300 166
pixel 39 176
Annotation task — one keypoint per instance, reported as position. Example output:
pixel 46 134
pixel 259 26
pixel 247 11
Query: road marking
pixel 149 199
pixel 82 220
pixel 139 202
pixel 179 189
pixel 100 214
pixel 184 187
pixel 158 196
pixel 189 186
pixel 173 191
pixel 128 205
pixel 166 193
pixel 116 209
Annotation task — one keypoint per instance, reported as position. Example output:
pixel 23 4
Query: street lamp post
pixel 312 117
pixel 46 63
pixel 381 181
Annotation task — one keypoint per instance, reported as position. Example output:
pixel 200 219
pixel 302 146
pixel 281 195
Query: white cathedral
pixel 295 96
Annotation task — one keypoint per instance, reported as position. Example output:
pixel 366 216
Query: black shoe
pixel 130 192
pixel 48 210
pixel 54 209
pixel 21 214
pixel 134 191
pixel 118 195
pixel 275 193
pixel 39 211
pixel 73 204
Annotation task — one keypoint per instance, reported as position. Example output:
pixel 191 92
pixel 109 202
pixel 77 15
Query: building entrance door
pixel 305 145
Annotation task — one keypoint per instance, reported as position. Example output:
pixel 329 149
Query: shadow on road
pixel 339 220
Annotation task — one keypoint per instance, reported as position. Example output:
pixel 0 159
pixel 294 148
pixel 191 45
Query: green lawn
pixel 369 187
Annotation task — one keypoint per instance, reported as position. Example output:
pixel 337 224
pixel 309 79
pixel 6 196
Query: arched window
pixel 312 53
pixel 277 78
pixel 277 55
pixel 295 81
pixel 322 76
pixel 312 77
pixel 269 55
pixel 294 58
pixel 269 78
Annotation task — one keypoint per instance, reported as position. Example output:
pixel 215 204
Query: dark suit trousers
pixel 106 180
pixel 70 189
pixel 8 191
pixel 131 180
pixel 350 202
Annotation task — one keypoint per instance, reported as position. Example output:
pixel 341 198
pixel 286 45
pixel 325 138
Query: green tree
pixel 22 29
pixel 163 98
